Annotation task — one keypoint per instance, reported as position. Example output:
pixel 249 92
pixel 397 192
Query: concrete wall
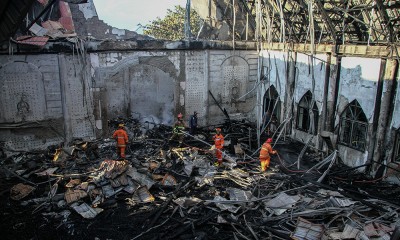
pixel 196 85
pixel 51 98
pixel 42 101
pixel 232 74
pixel 30 102
pixel 275 69
pixel 78 98
pixel 339 81
pixel 159 85
pixel 395 123
pixel 67 96
pixel 392 130
pixel 143 85
pixel 310 76
pixel 358 81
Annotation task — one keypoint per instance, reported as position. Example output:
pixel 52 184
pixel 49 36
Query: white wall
pixel 396 113
pixel 228 70
pixel 135 83
pixel 275 70
pixel 358 80
pixel 228 74
pixel 304 82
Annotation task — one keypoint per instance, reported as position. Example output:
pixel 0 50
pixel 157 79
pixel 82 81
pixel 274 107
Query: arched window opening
pixel 272 109
pixel 271 102
pixel 353 127
pixel 307 114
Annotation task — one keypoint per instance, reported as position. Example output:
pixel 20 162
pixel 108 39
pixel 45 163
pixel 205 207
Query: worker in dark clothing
pixel 193 123
pixel 177 131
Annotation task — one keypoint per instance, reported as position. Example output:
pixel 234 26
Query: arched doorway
pixel 235 72
pixel 271 109
pixel 151 93
pixel 307 114
pixel 271 102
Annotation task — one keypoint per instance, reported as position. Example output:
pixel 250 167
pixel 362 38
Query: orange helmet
pixel 218 129
pixel 180 115
pixel 269 140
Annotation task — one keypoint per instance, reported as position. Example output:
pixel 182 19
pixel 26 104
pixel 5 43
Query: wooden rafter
pixel 335 21
pixel 385 17
pixel 327 20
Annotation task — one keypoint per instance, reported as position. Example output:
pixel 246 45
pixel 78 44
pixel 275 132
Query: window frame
pixel 356 128
pixel 272 97
pixel 303 114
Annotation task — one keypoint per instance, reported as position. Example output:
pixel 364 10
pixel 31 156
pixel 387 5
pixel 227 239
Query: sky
pixel 127 14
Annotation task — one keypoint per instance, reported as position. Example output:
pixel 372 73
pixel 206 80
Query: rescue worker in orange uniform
pixel 177 131
pixel 266 150
pixel 219 144
pixel 121 137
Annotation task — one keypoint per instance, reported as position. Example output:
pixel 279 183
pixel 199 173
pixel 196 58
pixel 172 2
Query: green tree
pixel 172 26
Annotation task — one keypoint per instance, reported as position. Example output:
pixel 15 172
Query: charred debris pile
pixel 161 191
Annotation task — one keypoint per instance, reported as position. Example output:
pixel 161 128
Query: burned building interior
pixel 320 78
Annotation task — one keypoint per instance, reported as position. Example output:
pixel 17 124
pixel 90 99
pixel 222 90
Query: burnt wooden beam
pixel 288 26
pixel 248 11
pixel 327 20
pixel 49 5
pixel 384 15
pixel 361 197
pixel 359 31
pixel 272 7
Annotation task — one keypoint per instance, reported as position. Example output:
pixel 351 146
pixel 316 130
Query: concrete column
pixel 372 132
pixel 100 112
pixel 64 97
pixel 332 94
pixel 322 123
pixel 207 81
pixel 127 92
pixel 390 131
pixel 385 113
pixel 179 93
pixel 290 85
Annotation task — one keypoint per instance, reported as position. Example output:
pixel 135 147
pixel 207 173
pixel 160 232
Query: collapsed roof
pixel 12 13
pixel 34 22
pixel 330 22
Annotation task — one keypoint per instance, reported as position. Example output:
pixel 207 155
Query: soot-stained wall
pixel 156 86
pixel 45 100
pixel 336 83
pixel 358 81
pixel 51 98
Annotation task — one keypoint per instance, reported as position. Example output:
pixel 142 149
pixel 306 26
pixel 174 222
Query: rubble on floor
pixel 83 191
